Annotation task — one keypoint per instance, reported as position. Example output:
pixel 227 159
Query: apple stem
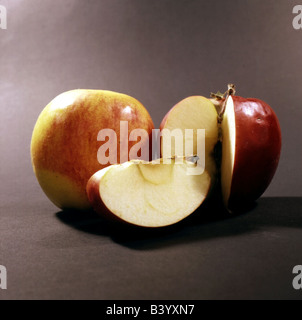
pixel 230 92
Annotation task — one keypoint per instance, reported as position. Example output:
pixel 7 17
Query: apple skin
pixel 64 142
pixel 257 151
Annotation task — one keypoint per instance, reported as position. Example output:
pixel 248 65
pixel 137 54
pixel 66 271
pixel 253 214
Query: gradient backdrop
pixel 157 51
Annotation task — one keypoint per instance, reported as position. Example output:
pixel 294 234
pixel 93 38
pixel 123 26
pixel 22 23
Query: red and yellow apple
pixel 147 194
pixel 64 144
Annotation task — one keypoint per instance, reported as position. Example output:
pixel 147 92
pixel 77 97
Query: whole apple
pixel 64 143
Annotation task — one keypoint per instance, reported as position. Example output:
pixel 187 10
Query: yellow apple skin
pixel 64 142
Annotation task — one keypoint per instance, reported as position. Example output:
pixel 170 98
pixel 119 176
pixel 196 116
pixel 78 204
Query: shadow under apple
pixel 211 220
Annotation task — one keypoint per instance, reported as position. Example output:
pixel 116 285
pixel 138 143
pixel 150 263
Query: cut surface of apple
pixel 251 146
pixel 194 112
pixel 146 194
pixel 228 150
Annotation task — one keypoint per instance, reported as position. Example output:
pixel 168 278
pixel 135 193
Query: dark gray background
pixel 159 52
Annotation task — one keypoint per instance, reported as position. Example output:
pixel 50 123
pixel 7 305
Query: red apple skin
pixel 257 150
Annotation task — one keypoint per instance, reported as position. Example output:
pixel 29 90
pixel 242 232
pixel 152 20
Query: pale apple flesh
pixel 251 146
pixel 64 143
pixel 195 112
pixel 148 195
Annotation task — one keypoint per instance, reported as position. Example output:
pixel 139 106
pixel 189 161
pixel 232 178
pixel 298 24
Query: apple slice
pixel 251 146
pixel 146 194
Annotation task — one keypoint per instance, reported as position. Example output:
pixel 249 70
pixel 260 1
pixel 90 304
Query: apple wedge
pixel 146 194
pixel 251 146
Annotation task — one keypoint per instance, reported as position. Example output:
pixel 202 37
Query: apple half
pixel 251 146
pixel 147 194
pixel 242 143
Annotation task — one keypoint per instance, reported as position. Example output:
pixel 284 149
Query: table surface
pixel 210 255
